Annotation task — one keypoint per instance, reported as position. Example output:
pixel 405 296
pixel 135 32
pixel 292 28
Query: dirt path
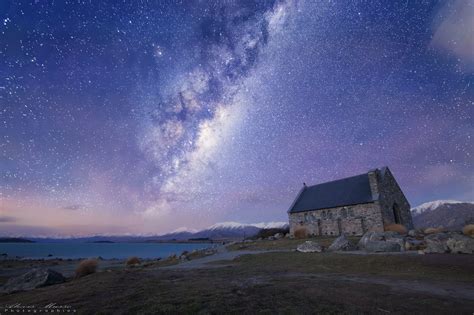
pixel 222 254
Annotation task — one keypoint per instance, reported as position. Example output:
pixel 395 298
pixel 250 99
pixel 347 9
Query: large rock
pixel 382 242
pixel 387 237
pixel 309 247
pixel 437 243
pixel 382 246
pixel 278 236
pixel 33 279
pixel 341 243
pixel 460 244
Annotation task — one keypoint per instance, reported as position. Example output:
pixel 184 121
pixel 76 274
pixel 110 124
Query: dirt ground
pixel 274 283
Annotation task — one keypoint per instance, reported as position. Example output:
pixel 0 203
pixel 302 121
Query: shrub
pixel 132 261
pixel 468 230
pixel 396 228
pixel 433 230
pixel 301 233
pixel 86 267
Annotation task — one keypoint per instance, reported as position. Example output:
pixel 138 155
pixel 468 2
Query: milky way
pixel 144 118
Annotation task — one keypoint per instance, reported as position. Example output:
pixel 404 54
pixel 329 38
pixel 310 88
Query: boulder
pixel 437 243
pixel 380 236
pixel 412 233
pixel 382 246
pixel 414 244
pixel 370 237
pixel 278 236
pixel 460 244
pixel 287 235
pixel 341 243
pixel 33 279
pixel 309 247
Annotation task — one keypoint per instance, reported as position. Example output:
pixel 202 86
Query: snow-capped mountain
pixel 450 214
pixel 236 230
pixel 236 225
pixel 427 206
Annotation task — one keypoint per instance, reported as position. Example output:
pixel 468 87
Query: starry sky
pixel 133 117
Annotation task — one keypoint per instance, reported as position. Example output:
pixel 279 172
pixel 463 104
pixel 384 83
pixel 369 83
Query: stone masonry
pixel 386 205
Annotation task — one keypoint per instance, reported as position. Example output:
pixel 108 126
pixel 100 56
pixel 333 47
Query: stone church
pixel 350 206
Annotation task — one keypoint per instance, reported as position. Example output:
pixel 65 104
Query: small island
pixel 15 240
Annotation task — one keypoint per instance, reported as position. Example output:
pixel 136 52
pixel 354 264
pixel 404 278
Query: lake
pixel 104 250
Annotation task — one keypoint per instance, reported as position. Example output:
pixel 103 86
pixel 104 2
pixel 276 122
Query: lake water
pixel 104 250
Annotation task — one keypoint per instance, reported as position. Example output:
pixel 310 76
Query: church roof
pixel 343 192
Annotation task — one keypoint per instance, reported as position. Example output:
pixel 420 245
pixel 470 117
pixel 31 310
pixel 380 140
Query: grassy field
pixel 271 283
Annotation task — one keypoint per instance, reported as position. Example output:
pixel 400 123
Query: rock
pixel 460 244
pixel 387 237
pixel 370 237
pixel 412 233
pixel 287 235
pixel 271 238
pixel 414 244
pixel 183 258
pixel 382 246
pixel 33 279
pixel 309 247
pixel 278 236
pixel 341 243
pixel 436 243
pixel 399 241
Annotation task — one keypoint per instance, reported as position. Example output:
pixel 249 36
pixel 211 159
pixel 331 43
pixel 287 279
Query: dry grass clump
pixel 432 230
pixel 468 230
pixel 86 267
pixel 396 228
pixel 132 261
pixel 301 233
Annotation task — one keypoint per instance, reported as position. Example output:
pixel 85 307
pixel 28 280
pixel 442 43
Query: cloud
pixel 454 31
pixel 74 207
pixel 7 219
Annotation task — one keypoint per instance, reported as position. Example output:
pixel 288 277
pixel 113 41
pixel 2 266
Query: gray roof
pixel 343 192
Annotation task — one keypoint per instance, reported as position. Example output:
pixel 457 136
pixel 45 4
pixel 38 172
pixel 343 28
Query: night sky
pixel 130 117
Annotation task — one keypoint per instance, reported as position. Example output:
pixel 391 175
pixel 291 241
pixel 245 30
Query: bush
pixel 86 267
pixel 468 230
pixel 433 230
pixel 132 261
pixel 266 233
pixel 396 228
pixel 301 233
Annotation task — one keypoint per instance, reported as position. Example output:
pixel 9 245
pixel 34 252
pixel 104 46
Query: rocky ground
pixel 269 276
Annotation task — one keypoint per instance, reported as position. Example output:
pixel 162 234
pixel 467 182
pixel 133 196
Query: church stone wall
pixel 351 220
pixel 390 195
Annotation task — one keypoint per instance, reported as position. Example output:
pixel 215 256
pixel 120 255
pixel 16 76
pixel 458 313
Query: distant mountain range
pixel 218 231
pixel 450 214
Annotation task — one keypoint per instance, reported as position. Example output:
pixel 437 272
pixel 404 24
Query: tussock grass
pixel 396 228
pixel 468 230
pixel 301 233
pixel 86 267
pixel 132 261
pixel 432 230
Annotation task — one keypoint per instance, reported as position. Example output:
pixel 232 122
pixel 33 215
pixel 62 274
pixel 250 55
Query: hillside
pixel 450 214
